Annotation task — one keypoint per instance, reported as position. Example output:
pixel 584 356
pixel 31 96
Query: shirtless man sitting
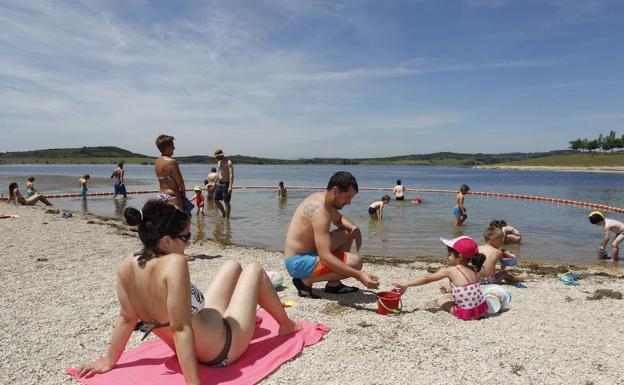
pixel 316 254
pixel 493 254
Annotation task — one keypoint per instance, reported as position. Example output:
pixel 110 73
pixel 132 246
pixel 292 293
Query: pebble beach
pixel 58 307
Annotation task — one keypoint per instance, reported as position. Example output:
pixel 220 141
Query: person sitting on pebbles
pixel 493 254
pixel 156 296
pixel 315 254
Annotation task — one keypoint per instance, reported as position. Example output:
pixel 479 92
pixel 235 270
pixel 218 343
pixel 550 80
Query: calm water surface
pixel 259 218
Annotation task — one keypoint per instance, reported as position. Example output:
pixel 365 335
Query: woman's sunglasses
pixel 184 237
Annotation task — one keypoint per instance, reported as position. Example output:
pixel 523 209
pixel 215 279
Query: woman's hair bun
pixel 133 216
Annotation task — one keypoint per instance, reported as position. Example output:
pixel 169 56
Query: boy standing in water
pixel 82 182
pixel 610 225
pixel 460 210
pixel 281 190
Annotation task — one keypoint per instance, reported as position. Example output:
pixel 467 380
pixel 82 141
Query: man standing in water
pixel 316 254
pixel 223 189
pixel 118 184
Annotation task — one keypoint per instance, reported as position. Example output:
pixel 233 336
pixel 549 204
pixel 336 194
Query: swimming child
pixel 199 200
pixel 611 226
pixel 510 234
pixel 493 254
pixel 82 182
pixel 466 302
pixel 399 191
pixel 375 210
pixel 281 190
pixel 460 210
pixel 30 187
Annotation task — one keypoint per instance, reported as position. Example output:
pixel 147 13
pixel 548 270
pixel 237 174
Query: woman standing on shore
pixel 172 189
pixel 154 288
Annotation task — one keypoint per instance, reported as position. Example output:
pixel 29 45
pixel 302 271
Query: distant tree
pixel 576 144
pixel 599 142
pixel 594 144
pixel 608 142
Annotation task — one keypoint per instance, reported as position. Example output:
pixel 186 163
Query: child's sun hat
pixel 464 245
pixel 596 217
pixel 197 188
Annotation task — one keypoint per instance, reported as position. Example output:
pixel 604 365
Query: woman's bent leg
pixel 220 290
pixel 254 288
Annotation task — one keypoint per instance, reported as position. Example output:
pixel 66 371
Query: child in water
pixel 494 237
pixel 460 210
pixel 510 233
pixel 82 182
pixel 375 210
pixel 466 302
pixel 281 190
pixel 30 187
pixel 611 226
pixel 199 200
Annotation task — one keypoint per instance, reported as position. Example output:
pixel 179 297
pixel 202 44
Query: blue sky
pixel 291 79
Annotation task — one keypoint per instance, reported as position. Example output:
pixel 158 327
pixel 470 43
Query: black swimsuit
pixel 372 211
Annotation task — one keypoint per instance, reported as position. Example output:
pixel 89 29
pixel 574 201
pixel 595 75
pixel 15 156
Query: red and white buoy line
pixel 571 202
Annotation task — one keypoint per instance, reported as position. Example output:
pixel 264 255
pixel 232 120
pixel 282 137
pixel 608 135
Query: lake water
pixel 551 231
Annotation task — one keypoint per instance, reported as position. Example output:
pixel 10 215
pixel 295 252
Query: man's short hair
pixel 492 232
pixel 343 180
pixel 164 141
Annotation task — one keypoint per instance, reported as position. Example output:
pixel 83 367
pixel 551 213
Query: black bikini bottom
pixel 222 358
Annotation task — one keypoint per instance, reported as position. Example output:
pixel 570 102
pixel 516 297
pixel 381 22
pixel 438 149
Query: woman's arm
pixel 178 176
pixel 178 283
pixel 124 326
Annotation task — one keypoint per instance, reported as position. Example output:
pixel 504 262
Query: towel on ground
pixel 154 363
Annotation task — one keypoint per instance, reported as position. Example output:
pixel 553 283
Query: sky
pixel 299 79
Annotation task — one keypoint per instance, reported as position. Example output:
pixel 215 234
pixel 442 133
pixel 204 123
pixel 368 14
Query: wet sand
pixel 59 304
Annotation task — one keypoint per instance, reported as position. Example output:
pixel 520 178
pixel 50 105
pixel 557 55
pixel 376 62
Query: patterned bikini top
pixel 468 296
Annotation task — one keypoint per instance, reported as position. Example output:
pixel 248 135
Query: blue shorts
pixel 457 211
pixel 305 265
pixel 83 191
pixel 120 188
pixel 301 265
pixel 490 280
pixel 221 192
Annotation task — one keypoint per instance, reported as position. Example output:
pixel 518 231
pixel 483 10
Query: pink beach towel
pixel 154 363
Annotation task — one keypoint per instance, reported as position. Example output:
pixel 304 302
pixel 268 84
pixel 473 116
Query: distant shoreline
pixel 606 169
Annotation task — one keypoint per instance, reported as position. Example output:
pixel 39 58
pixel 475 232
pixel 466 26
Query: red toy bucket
pixel 388 302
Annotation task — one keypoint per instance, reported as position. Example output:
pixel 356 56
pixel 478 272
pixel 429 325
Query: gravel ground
pixel 58 306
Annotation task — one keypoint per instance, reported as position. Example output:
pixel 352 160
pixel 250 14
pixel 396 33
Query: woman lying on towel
pixel 156 295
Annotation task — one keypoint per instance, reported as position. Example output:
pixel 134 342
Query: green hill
pixel 573 160
pixel 111 155
pixel 103 154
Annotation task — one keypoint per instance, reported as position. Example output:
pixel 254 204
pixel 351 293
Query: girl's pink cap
pixel 465 246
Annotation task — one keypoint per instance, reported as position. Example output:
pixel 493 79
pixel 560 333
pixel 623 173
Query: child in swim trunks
pixel 82 182
pixel 466 302
pixel 199 200
pixel 610 226
pixel 460 211
pixel 493 254
pixel 375 210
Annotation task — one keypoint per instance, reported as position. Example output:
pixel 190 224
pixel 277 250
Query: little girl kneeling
pixel 465 261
